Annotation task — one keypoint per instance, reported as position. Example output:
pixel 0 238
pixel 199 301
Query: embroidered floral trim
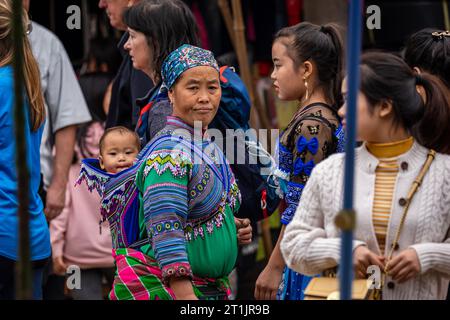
pixel 164 226
pixel 116 200
pixel 286 159
pixel 193 232
pixel 113 207
pixel 234 196
pixel 294 193
pixel 177 270
pixel 93 179
pixel 288 214
pixel 177 162
pixel 340 135
pixel 200 187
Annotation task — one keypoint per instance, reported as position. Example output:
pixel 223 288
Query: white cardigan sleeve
pixel 434 256
pixel 305 246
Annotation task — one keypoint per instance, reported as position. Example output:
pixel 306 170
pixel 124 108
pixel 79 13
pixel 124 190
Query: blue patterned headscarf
pixel 182 59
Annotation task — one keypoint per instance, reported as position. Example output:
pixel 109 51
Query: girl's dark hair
pixel 81 141
pixel 104 51
pixel 430 53
pixel 94 86
pixel 323 45
pixel 167 24
pixel 386 77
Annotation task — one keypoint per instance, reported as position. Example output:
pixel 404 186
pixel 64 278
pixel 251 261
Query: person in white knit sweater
pixel 391 103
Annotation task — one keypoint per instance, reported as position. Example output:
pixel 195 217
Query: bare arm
pixel 182 288
pixel 270 278
pixel 64 148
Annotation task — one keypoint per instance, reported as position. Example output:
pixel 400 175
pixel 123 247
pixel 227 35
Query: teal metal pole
pixel 346 219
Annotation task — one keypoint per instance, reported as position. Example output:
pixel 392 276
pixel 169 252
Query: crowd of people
pixel 164 225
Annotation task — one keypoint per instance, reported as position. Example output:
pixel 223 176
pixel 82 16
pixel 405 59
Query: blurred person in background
pixel 129 83
pixel 34 109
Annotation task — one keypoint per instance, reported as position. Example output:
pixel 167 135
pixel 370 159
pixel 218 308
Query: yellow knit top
pixel 385 178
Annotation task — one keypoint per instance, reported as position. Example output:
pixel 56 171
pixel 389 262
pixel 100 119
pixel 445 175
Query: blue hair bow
pixel 300 167
pixel 312 145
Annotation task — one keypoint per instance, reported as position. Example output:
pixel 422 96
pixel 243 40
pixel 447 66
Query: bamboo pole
pixel 445 11
pixel 241 51
pixel 23 266
pixel 238 39
pixel 228 19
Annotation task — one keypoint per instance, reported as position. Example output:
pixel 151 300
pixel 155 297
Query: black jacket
pixel 129 84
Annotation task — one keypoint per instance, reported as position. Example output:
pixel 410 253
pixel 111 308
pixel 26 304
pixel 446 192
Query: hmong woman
pixel 307 67
pixel 187 195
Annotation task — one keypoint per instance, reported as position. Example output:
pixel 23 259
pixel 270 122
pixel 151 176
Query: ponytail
pixel 433 129
pixel 336 81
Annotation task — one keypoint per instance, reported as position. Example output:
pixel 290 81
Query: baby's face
pixel 118 152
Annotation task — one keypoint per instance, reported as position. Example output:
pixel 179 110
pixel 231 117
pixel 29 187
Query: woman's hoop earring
pixel 306 86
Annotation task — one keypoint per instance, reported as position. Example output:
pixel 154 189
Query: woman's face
pixel 139 51
pixel 196 95
pixel 288 82
pixel 368 124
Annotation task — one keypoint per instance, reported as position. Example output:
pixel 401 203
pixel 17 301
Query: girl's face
pixel 93 135
pixel 288 82
pixel 369 124
pixel 196 95
pixel 139 51
pixel 119 151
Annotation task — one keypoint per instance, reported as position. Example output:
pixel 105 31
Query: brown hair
pixel 30 70
pixel 166 25
pixel 122 130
